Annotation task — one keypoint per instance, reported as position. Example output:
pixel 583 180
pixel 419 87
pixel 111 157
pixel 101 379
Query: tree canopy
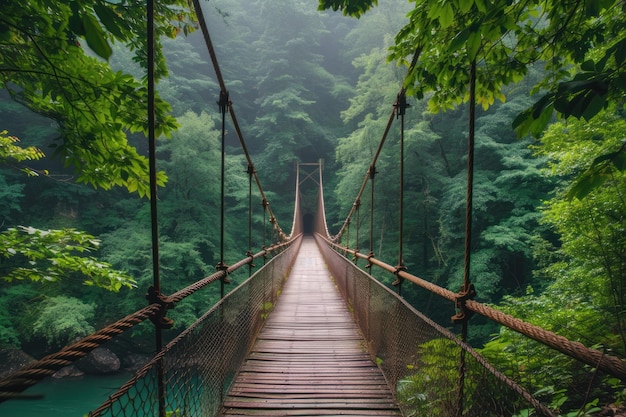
pixel 53 60
pixel 582 45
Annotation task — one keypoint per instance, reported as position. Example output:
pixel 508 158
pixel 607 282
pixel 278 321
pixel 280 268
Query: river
pixel 67 397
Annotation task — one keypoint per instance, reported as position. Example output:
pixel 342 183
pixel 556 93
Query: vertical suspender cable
pixel 250 172
pixel 372 174
pixel 401 106
pixel 357 204
pixel 223 103
pixel 468 227
pixel 156 281
pixel 470 179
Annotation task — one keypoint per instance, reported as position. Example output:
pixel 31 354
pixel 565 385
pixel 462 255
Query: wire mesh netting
pixel 421 360
pixel 198 366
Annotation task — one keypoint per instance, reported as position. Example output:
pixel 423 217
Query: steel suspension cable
pixel 378 150
pixel 223 89
pixel 250 172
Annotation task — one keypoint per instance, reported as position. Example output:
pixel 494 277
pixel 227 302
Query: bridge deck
pixel 310 359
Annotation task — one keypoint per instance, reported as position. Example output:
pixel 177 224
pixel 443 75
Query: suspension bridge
pixel 311 332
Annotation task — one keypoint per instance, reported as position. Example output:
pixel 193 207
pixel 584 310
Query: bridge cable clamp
pixel 251 255
pixel 399 279
pixel 464 313
pixel 355 255
pixel 401 105
pixel 221 266
pixel 155 297
pixel 224 101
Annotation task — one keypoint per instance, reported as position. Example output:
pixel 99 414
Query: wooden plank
pixel 309 358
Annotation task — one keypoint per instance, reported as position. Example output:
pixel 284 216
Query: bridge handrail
pixel 592 357
pixel 161 355
pixel 33 373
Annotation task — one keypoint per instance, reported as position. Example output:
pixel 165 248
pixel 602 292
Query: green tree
pixel 44 66
pixel 51 255
pixel 581 44
pixel 47 255
pixel 63 319
pixel 591 256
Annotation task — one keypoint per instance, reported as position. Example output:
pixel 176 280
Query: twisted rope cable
pixel 336 238
pixel 610 364
pixel 33 373
pixel 142 372
pixel 220 79
pixel 30 375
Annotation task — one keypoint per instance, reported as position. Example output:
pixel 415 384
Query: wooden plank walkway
pixel 310 359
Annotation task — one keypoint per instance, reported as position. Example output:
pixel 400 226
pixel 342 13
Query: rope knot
pixel 466 293
pixel 155 297
pixel 369 260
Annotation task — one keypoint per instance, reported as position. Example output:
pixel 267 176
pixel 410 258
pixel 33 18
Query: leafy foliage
pixel 591 225
pixel 432 389
pixel 10 151
pixel 49 255
pixel 349 7
pixel 44 67
pixel 63 319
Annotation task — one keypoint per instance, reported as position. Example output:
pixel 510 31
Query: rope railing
pixel 400 336
pixel 464 299
pixel 592 357
pixel 205 354
pixel 17 382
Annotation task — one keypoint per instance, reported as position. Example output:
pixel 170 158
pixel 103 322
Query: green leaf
pixel 473 45
pixel 110 20
pixel 588 65
pixel 620 52
pixel 481 5
pixel 592 8
pixel 446 16
pixel 619 160
pixel 95 36
pixel 459 40
pixel 465 5
pixel 586 184
pixel 593 105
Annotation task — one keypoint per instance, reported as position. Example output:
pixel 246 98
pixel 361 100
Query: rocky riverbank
pixel 100 361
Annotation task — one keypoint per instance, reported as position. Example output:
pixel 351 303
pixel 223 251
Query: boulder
pixel 99 361
pixel 134 361
pixel 68 371
pixel 12 360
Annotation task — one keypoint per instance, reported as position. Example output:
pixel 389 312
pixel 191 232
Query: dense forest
pixel 309 84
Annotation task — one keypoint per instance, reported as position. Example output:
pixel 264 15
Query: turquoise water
pixel 67 397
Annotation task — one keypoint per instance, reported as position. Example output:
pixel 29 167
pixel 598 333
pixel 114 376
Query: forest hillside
pixel 550 191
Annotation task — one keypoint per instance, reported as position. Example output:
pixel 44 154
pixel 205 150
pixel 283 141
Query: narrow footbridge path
pixel 310 358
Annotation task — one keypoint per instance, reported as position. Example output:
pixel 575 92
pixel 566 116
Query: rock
pixel 134 361
pixel 12 360
pixel 68 371
pixel 99 361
